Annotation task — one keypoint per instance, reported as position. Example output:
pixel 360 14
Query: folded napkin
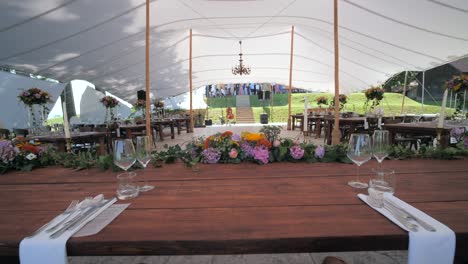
pixel 43 249
pixel 424 246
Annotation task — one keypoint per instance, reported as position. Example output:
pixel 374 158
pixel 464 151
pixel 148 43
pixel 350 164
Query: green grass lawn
pixel 279 112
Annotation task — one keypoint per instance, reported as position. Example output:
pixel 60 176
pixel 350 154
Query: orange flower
pixel 207 141
pixel 264 142
pixel 30 148
pixel 226 134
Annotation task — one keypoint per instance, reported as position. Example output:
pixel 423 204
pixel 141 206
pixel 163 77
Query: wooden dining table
pixel 75 137
pixel 352 123
pixel 159 125
pixel 237 208
pixel 421 129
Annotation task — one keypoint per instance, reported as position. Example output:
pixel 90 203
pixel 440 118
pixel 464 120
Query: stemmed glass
pixel 380 145
pixel 124 154
pixel 143 155
pixel 124 158
pixel 360 152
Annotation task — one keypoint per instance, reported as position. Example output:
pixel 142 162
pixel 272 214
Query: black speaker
pixel 141 95
pixel 263 118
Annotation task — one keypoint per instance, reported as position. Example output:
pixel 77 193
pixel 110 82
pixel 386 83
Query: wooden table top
pixel 237 208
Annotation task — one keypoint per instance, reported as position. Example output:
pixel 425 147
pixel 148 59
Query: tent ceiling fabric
pixel 103 41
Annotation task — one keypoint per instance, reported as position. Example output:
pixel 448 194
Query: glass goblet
pixel 359 152
pixel 143 155
pixel 380 145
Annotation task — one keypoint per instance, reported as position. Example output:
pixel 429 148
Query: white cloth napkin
pixel 43 249
pixel 424 246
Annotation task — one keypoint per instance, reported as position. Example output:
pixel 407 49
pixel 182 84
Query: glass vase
pixel 37 117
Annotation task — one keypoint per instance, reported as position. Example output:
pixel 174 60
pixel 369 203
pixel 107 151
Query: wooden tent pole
pixel 147 66
pixel 290 77
pixel 404 93
pixel 191 84
pixel 336 134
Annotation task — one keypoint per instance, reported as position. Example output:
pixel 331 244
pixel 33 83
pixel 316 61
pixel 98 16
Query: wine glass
pixel 143 155
pixel 380 145
pixel 124 158
pixel 360 152
pixel 124 154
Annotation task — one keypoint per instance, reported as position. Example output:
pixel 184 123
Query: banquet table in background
pixel 79 137
pixel 274 208
pixel 350 123
pixel 136 130
pixel 421 129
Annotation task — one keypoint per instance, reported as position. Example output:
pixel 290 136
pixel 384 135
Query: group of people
pixel 221 90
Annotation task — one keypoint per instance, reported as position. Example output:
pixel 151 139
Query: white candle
pixel 66 126
pixel 306 112
pixel 442 110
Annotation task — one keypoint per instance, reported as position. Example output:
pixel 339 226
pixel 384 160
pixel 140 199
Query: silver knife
pixel 76 221
pixel 411 216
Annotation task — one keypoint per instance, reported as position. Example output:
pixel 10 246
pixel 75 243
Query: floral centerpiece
pixel 20 155
pixel 261 148
pixel 159 105
pixel 458 84
pixel 141 105
pixel 36 97
pixel 343 99
pixel 321 100
pixel 374 95
pixel 109 103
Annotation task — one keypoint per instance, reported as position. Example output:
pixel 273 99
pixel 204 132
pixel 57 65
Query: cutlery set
pixel 75 214
pixel 407 219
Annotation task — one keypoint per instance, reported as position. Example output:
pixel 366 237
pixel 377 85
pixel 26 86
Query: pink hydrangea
pixel 296 152
pixel 276 143
pixel 233 153
pixel 260 153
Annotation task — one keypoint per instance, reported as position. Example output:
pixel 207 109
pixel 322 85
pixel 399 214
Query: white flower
pixel 31 156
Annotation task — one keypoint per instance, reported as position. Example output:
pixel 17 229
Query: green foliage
pixel 271 132
pixel 168 156
pixel 336 153
pixel 399 152
pixel 448 153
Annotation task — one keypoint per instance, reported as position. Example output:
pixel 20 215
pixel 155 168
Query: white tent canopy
pixel 103 41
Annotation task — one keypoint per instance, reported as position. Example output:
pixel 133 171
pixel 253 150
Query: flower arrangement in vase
pixel 374 95
pixel 141 105
pixel 321 100
pixel 36 97
pixel 458 84
pixel 343 99
pixel 109 103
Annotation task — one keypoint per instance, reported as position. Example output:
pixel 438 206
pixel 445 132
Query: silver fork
pixel 400 217
pixel 377 200
pixel 67 211
pixel 77 207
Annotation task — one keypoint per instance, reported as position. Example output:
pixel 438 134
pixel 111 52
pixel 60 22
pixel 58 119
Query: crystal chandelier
pixel 240 69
